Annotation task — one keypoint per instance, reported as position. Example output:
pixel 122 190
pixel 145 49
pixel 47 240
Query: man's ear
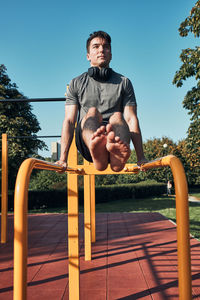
pixel 88 57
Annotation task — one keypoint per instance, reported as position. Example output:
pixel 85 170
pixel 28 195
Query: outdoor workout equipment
pixel 88 170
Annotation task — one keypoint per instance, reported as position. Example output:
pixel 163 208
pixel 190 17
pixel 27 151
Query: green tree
pixel 154 149
pixel 190 68
pixel 48 180
pixel 17 119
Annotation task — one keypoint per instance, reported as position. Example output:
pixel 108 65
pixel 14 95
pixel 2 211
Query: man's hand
pixel 142 162
pixel 62 164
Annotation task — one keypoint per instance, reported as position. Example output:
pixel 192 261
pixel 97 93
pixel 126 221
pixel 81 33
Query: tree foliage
pixel 48 180
pixel 156 148
pixel 190 68
pixel 17 119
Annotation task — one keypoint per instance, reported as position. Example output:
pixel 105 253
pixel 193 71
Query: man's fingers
pixel 62 164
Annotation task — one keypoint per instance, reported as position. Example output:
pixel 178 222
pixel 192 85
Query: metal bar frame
pixel 4 189
pixel 20 223
pixel 33 100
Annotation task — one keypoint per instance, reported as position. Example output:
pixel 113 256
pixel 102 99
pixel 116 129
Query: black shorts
pixel 81 146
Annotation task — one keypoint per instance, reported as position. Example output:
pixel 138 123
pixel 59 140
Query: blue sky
pixel 43 48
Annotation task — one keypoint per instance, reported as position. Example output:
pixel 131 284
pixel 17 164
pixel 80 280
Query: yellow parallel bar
pixel 20 223
pixel 73 237
pixel 93 214
pixel 4 189
pixel 90 170
pixel 20 230
pixel 87 215
pixel 183 234
pixel 182 220
pixel 73 228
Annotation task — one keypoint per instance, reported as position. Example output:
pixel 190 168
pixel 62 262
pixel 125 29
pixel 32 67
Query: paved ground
pixel 134 257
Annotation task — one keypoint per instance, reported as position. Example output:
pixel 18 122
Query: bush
pixel 129 191
pixel 47 180
pixel 58 198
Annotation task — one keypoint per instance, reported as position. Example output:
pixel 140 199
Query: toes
pixel 111 137
pixel 117 139
pixel 100 131
pixel 108 128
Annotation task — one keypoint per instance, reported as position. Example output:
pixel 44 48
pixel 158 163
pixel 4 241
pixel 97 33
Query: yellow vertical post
pixel 93 215
pixel 182 220
pixel 4 188
pixel 87 215
pixel 20 231
pixel 73 228
pixel 183 234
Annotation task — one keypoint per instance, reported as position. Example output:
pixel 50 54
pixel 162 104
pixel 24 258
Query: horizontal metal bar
pixel 33 100
pixel 34 137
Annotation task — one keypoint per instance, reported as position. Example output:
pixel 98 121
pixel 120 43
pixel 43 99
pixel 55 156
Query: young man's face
pixel 99 53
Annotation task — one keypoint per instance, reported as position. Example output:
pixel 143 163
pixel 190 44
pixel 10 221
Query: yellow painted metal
pixel 89 169
pixel 182 220
pixel 183 235
pixel 87 215
pixel 93 214
pixel 20 222
pixel 4 189
pixel 73 228
pixel 20 230
pixel 73 237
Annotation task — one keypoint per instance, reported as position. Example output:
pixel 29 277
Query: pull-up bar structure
pixel 4 188
pixel 4 182
pixel 88 170
pixel 32 100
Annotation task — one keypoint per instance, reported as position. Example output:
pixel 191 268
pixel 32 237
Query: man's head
pixel 99 49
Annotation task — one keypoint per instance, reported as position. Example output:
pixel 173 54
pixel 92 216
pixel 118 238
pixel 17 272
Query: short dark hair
pixel 100 34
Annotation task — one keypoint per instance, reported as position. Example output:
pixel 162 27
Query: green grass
pixel 164 205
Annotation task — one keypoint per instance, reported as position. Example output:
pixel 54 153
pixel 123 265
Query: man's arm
pixel 67 133
pixel 130 115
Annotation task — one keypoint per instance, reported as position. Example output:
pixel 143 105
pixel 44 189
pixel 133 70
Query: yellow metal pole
pixel 20 227
pixel 183 234
pixel 20 230
pixel 73 228
pixel 4 189
pixel 87 215
pixel 73 237
pixel 93 215
pixel 182 220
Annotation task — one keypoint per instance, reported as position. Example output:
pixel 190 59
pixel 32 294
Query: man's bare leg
pixel 98 149
pixel 118 139
pixel 95 138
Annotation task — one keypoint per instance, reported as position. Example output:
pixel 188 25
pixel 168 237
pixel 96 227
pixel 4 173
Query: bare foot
pixel 119 151
pixel 98 149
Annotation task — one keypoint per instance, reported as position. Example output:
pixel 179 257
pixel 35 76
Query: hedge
pixel 58 198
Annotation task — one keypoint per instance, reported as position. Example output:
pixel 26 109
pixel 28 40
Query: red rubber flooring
pixel 134 257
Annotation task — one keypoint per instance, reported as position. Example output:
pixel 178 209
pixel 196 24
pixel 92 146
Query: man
pixel 105 105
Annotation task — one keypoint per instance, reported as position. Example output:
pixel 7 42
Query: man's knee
pixel 92 120
pixel 116 117
pixel 93 112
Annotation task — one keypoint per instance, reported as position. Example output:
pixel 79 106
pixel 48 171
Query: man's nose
pixel 101 48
